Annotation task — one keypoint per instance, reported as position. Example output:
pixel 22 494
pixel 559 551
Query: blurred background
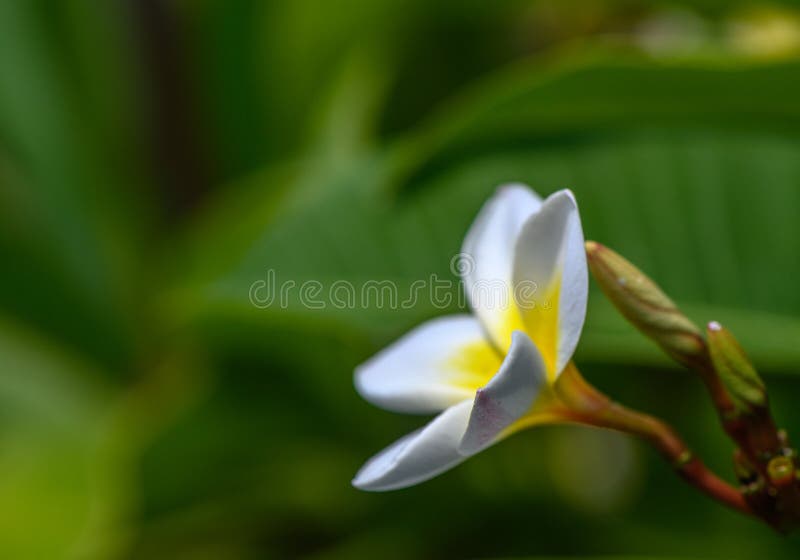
pixel 157 158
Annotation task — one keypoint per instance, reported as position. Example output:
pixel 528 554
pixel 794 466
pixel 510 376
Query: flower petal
pixel 420 455
pixel 436 365
pixel 488 251
pixel 463 429
pixel 550 260
pixel 507 397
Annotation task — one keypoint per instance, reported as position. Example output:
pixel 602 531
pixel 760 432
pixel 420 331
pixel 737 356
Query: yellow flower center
pixel 474 365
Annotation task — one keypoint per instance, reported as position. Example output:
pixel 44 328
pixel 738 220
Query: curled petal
pixel 507 397
pixel 551 279
pixel 489 251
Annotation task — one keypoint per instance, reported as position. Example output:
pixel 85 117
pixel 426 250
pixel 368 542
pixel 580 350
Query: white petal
pixel 463 429
pixel 488 255
pixel 507 397
pixel 420 455
pixel 425 371
pixel 550 254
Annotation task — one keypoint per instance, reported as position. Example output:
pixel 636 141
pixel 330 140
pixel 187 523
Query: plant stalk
pixel 587 405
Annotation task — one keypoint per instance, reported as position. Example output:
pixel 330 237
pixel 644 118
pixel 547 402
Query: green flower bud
pixel 781 471
pixel 645 305
pixel 740 378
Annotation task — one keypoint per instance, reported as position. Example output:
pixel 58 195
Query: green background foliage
pixel 158 158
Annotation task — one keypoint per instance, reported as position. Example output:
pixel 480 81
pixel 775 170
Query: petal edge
pixel 418 456
pixel 550 253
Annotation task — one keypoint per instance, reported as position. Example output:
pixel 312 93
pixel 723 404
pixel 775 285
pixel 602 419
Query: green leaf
pixel 50 425
pixel 70 226
pixel 643 194
pixel 697 194
pixel 609 90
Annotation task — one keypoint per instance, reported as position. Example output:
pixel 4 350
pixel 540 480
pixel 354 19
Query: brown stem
pixel 589 406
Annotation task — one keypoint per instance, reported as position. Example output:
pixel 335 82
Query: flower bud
pixel 740 378
pixel 645 305
pixel 781 471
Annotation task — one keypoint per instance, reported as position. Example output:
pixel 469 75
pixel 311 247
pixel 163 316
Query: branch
pixel 587 405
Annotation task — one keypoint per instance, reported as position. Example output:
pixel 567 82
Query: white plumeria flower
pixel 489 373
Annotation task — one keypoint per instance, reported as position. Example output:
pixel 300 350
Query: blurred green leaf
pixel 69 222
pixel 699 193
pixel 50 426
pixel 609 90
